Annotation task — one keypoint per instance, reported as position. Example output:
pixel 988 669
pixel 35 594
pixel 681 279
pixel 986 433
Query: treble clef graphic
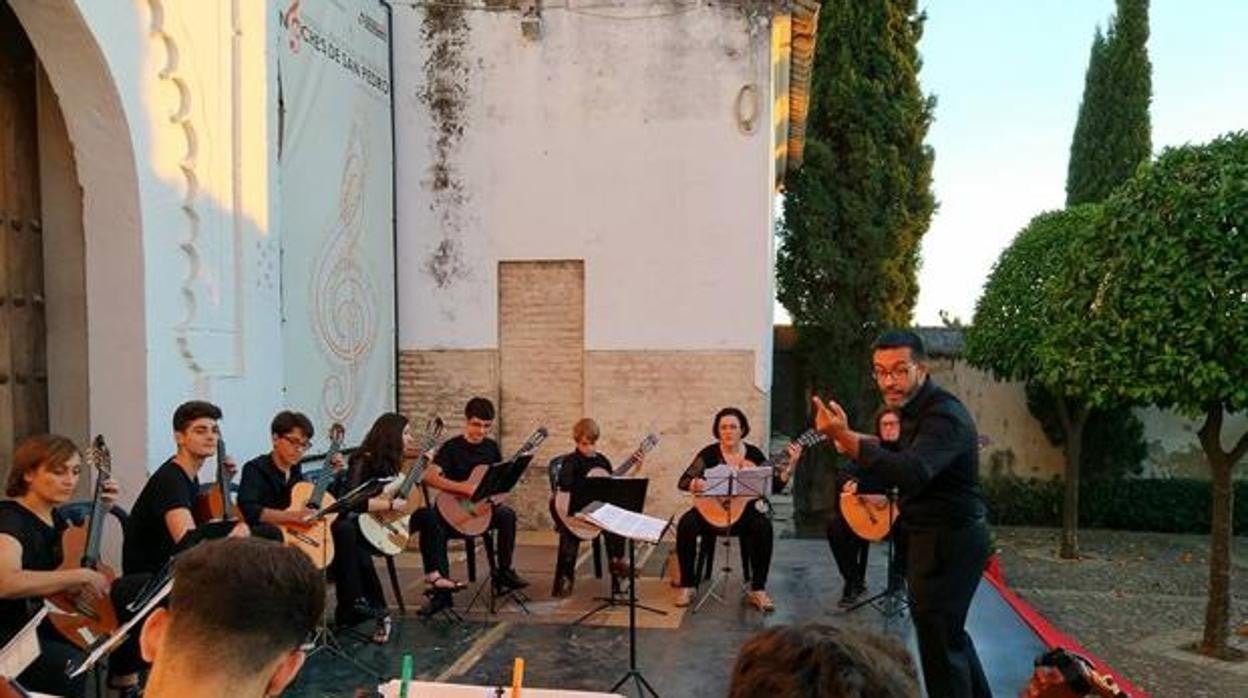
pixel 344 297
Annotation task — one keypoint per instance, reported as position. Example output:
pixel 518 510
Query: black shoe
pixel 850 595
pixel 438 602
pixel 508 580
pixel 562 587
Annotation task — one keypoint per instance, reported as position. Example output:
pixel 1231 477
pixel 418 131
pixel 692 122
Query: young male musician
pixel 264 492
pixel 161 522
pixel 206 644
pixel 936 468
pixel 574 469
pixel 450 470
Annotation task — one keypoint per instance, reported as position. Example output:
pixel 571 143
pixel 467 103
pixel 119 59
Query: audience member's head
pixel 822 661
pixel 239 611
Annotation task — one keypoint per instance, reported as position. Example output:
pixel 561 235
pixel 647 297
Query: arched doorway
pixel 23 337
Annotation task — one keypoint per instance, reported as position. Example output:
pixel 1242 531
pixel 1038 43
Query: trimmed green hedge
pixel 1167 506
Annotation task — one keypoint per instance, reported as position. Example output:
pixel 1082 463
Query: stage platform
pixel 684 654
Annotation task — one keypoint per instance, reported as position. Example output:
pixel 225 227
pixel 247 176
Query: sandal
pixel 445 584
pixel 382 634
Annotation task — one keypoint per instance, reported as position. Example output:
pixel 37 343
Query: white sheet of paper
pixel 623 522
pixel 23 648
pixel 751 481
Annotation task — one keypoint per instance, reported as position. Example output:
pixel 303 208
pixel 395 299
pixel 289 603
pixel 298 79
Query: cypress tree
pixel 855 213
pixel 1113 133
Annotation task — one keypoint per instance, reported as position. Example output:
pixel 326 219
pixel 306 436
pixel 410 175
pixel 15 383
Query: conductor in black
pixel 936 470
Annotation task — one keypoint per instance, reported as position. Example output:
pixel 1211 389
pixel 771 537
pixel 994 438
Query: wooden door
pixel 23 362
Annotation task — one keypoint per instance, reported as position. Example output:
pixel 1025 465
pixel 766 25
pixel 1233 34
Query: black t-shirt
pixel 148 544
pixel 457 457
pixel 576 466
pixel 41 552
pixel 264 485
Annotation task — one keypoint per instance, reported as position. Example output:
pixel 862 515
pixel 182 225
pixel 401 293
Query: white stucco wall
pixel 611 140
pixel 167 108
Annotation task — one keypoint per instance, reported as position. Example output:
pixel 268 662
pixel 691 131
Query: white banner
pixel 337 233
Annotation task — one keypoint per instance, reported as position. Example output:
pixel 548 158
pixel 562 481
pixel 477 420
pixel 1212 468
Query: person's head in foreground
pixel 239 610
pixel 822 661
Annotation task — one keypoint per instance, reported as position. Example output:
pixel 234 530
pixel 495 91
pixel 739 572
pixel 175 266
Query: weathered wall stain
pixel 445 94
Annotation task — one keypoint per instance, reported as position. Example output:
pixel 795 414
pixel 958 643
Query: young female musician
pixel 387 445
pixel 45 472
pixel 754 527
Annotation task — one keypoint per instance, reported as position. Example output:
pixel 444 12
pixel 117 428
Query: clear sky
pixel 1008 77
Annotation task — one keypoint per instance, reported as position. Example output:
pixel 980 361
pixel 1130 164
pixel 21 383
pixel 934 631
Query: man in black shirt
pixel 161 523
pixel 264 492
pixel 449 472
pixel 936 468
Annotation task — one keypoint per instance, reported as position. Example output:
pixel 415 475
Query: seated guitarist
pixel 161 522
pixel 450 471
pixel 45 473
pixel 576 466
pixel 849 549
pixel 754 527
pixel 264 492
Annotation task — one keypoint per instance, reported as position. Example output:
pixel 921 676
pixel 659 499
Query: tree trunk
pixel 1218 610
pixel 1073 418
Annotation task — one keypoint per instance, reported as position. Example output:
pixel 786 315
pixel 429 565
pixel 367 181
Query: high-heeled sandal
pixel 382 634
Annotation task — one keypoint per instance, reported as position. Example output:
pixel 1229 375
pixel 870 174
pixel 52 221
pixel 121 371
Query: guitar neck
pixel 223 482
pixel 326 475
pixel 95 528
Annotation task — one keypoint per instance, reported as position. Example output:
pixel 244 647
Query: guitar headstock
pixel 534 441
pixel 433 432
pixel 810 437
pixel 98 457
pixel 648 443
pixel 337 435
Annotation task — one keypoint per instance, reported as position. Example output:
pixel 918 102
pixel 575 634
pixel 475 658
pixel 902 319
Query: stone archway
pixel 104 158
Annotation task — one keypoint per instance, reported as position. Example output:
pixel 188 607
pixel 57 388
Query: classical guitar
pixel 387 531
pixel 562 499
pixel 214 503
pixel 309 497
pixel 471 518
pixel 870 516
pixel 723 512
pixel 79 619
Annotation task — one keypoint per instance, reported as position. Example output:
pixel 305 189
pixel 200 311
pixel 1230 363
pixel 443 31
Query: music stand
pixel 625 493
pixel 499 479
pixel 893 601
pixel 732 481
pixel 323 638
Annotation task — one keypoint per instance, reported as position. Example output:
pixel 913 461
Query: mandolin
pixel 471 518
pixel 387 531
pixel 313 538
pixel 562 499
pixel 79 619
pixel 723 512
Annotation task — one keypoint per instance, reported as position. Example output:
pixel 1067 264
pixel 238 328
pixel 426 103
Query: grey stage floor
pixel 694 659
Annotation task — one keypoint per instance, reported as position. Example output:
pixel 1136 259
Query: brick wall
pixel 629 393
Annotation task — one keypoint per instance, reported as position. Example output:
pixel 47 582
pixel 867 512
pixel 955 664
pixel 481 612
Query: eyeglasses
pixel 300 444
pixel 897 372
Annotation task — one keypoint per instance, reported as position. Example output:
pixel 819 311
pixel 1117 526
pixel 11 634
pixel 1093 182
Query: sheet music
pixel 751 481
pixel 116 638
pixel 624 522
pixel 23 648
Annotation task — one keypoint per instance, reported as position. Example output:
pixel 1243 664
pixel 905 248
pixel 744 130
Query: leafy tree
pixel 1164 299
pixel 1012 318
pixel 1113 133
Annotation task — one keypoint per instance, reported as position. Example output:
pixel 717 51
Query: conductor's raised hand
pixel 830 418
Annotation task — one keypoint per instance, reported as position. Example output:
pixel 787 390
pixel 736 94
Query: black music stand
pixel 725 572
pixel 633 672
pixel 323 637
pixel 500 478
pixel 894 600
pixel 625 493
